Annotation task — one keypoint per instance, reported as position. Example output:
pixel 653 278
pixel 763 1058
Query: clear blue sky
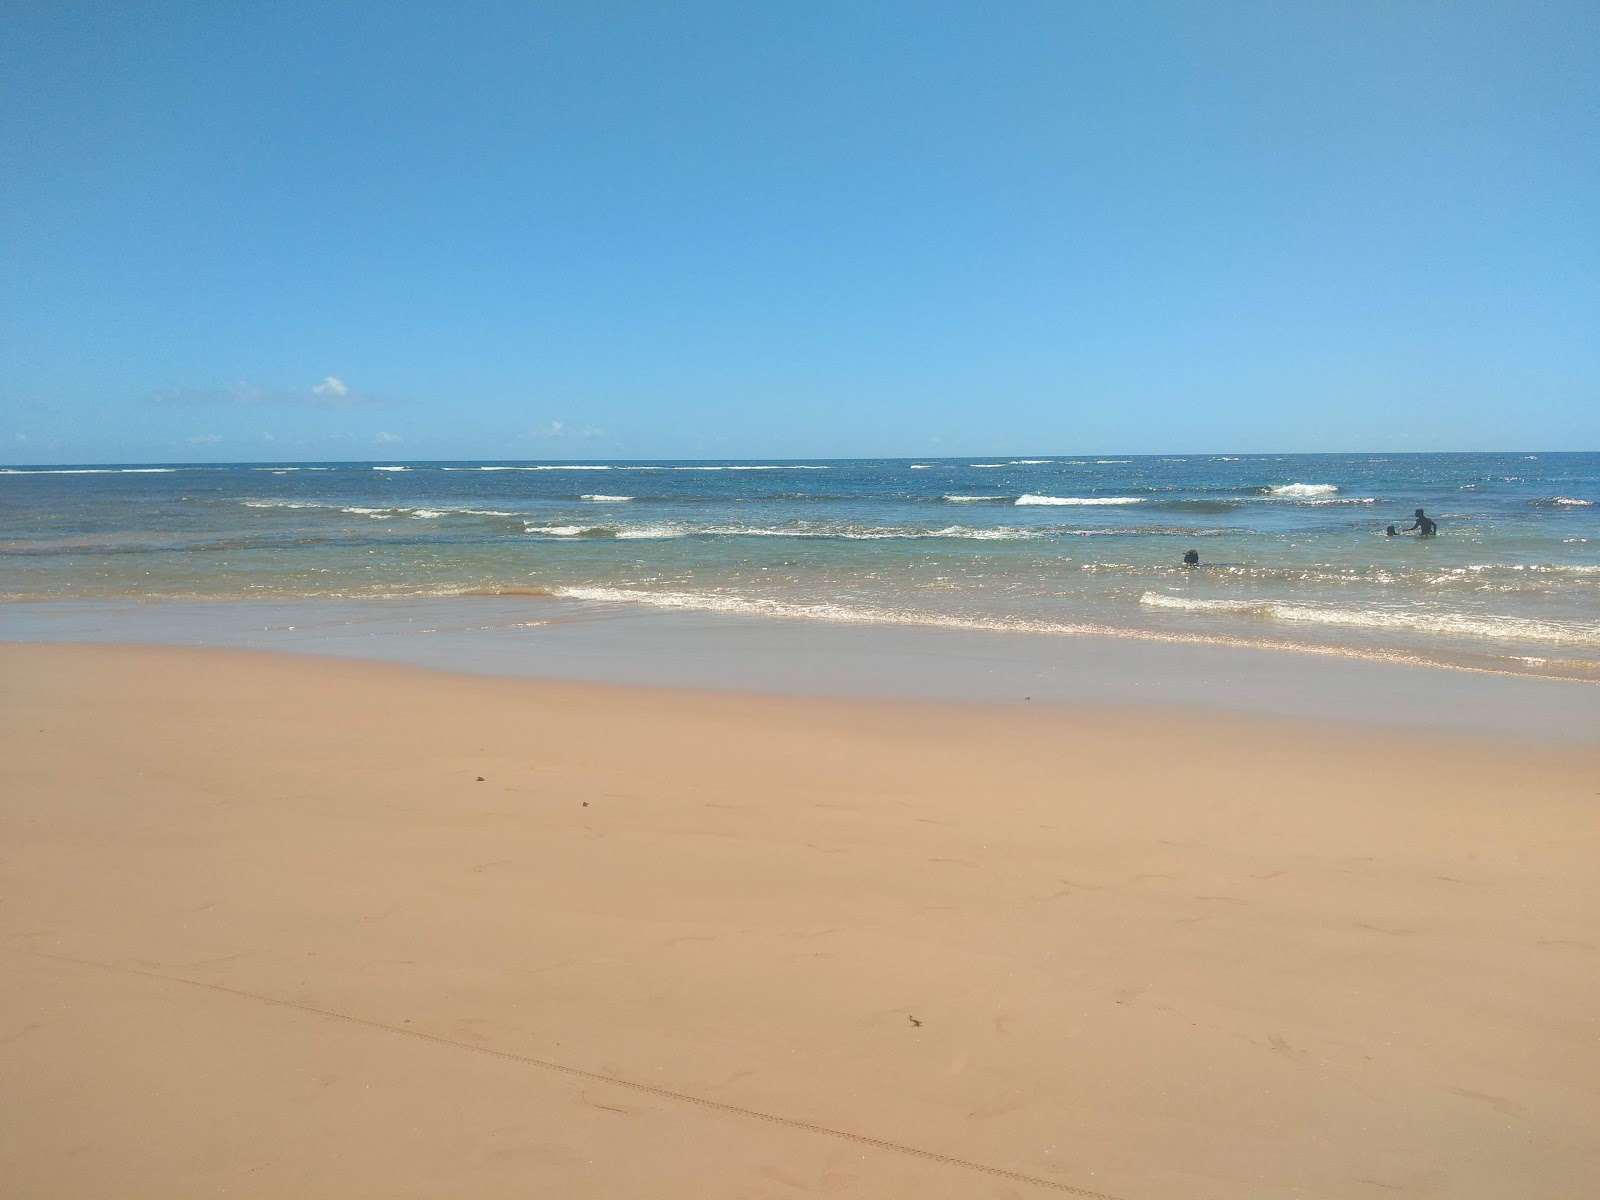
pixel 523 230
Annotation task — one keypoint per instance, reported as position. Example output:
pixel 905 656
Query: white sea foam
pixel 652 532
pixel 624 533
pixel 920 466
pixel 546 467
pixel 1079 500
pixel 90 470
pixel 599 499
pixel 647 467
pixel 1111 462
pixel 851 614
pixel 1537 568
pixel 391 468
pixel 1303 489
pixel 979 499
pixel 805 532
pixel 1002 534
pixel 380 513
pixel 1449 624
pixel 1571 501
pixel 866 614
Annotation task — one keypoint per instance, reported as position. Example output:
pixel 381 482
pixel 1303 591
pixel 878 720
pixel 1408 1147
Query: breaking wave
pixel 1301 489
pixel 636 467
pixel 858 533
pixel 1079 500
pixel 91 470
pixel 1506 628
pixel 382 512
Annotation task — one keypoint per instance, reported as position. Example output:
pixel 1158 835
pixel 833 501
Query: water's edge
pixel 551 637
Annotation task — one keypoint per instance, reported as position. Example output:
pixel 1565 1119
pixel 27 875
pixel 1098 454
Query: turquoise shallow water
pixel 1293 548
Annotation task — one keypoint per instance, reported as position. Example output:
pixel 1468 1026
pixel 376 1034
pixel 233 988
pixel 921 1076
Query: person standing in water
pixel 1424 525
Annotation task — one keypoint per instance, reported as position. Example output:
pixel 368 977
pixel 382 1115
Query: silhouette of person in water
pixel 1191 558
pixel 1390 530
pixel 1424 525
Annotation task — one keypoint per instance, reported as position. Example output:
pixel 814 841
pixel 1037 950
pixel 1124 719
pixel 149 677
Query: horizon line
pixel 1055 458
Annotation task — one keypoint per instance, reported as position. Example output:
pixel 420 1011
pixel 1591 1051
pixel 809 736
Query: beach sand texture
pixel 278 926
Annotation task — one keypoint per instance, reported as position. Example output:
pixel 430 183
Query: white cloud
pixel 384 438
pixel 205 439
pixel 332 392
pixel 552 430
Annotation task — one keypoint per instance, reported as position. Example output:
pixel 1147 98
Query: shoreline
pixel 602 599
pixel 282 924
pixel 550 637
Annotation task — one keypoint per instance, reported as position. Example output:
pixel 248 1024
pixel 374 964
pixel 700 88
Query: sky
pixel 349 231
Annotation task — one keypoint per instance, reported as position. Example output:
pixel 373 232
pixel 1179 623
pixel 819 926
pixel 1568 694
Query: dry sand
pixel 266 932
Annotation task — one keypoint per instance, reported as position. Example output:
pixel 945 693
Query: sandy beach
pixel 296 926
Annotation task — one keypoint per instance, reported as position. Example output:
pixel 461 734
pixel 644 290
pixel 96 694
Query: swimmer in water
pixel 1424 525
pixel 1191 558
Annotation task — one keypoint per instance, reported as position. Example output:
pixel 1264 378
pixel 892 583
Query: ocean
pixel 1293 549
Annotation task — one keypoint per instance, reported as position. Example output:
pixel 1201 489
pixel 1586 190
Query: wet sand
pixel 278 925
pixel 552 638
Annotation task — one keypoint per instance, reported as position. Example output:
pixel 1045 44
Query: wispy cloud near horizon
pixel 556 430
pixel 331 393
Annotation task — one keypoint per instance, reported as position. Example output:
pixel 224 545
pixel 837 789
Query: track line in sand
pixel 593 1076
